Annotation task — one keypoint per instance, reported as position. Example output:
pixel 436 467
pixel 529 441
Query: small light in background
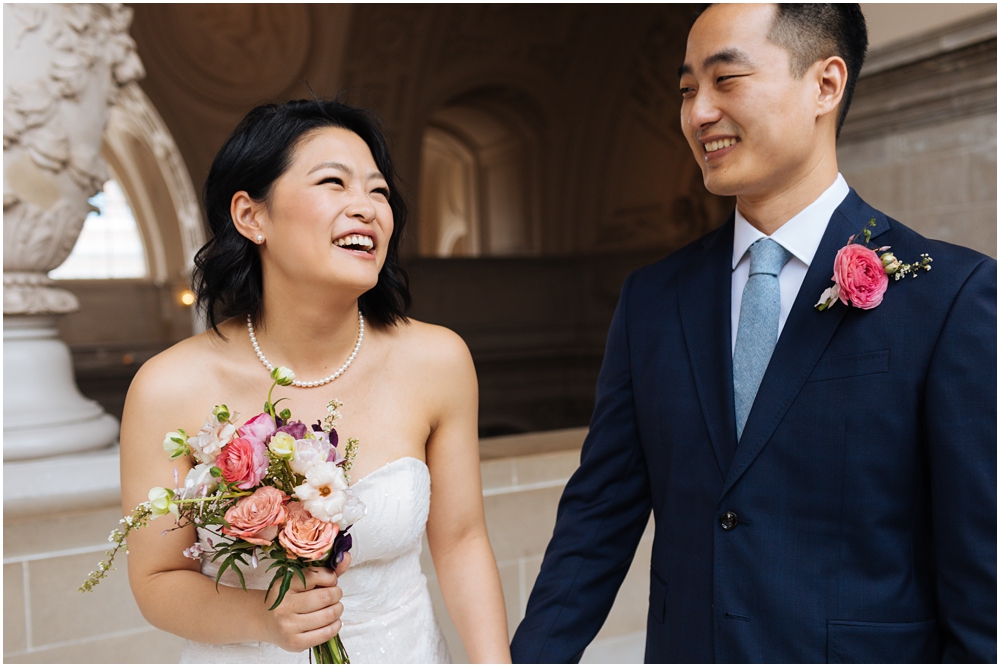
pixel 187 298
pixel 128 359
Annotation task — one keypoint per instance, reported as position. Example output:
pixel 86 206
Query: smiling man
pixel 819 453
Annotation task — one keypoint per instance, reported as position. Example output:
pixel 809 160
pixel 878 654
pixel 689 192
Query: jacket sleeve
pixel 960 413
pixel 601 518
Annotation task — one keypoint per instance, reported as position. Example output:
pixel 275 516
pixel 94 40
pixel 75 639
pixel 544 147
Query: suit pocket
pixel 865 363
pixel 854 642
pixel 657 596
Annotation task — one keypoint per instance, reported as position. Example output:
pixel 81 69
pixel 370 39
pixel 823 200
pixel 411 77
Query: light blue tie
pixel 758 331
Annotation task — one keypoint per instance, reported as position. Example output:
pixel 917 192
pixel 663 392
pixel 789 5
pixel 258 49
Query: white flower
pixel 354 509
pixel 310 451
pixel 324 493
pixel 283 445
pixel 283 376
pixel 212 437
pixel 200 481
pixel 828 297
pixel 175 444
pixel 161 501
pixel 193 552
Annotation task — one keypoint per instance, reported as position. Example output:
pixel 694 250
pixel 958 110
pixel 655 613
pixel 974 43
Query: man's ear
pixel 247 215
pixel 831 79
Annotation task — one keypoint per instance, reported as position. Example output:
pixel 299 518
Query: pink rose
pixel 258 429
pixel 256 518
pixel 859 273
pixel 244 461
pixel 305 536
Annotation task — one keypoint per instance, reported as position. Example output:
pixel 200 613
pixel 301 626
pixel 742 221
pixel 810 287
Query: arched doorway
pixel 477 178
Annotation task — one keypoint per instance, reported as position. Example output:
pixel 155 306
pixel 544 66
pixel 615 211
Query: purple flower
pixel 296 429
pixel 341 545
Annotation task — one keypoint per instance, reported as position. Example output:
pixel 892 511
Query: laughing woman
pixel 302 272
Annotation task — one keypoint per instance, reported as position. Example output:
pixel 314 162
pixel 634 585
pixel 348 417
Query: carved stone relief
pixel 63 67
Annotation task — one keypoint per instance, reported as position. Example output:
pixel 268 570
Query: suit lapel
pixel 704 300
pixel 805 336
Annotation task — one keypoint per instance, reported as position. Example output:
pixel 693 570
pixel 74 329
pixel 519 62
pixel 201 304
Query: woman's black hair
pixel 227 275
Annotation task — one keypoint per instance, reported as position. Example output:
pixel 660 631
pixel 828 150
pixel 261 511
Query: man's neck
pixel 770 210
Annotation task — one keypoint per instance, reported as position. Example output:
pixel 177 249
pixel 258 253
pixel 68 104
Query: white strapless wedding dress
pixel 388 616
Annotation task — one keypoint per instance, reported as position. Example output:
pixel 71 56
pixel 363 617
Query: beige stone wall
pixel 941 181
pixel 47 620
pixel 920 141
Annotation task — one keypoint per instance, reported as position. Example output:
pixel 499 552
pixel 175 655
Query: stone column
pixel 63 67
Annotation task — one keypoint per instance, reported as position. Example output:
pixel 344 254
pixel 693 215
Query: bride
pixel 302 272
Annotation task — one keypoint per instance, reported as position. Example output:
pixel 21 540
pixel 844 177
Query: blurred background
pixel 540 152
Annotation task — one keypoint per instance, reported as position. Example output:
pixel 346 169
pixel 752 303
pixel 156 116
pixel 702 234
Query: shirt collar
pixel 802 234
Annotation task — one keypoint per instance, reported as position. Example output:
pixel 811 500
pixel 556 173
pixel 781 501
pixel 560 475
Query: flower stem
pixel 234 494
pixel 331 653
pixel 269 404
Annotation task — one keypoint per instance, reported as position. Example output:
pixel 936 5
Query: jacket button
pixel 728 520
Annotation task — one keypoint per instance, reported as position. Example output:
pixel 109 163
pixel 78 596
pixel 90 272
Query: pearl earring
pixel 260 238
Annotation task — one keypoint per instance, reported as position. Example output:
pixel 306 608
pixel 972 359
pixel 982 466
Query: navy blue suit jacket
pixel 864 485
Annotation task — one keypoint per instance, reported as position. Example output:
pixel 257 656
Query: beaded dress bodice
pixel 388 616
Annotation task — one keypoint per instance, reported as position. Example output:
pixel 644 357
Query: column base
pixel 44 413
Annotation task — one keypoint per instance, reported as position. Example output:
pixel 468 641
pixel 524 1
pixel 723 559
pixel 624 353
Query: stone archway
pixel 478 180
pixel 142 153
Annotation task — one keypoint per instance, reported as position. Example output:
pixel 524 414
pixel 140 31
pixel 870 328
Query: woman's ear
pixel 247 215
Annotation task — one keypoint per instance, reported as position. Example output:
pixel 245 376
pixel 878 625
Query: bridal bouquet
pixel 272 488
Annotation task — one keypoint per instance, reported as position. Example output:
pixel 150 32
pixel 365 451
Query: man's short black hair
pixel 813 32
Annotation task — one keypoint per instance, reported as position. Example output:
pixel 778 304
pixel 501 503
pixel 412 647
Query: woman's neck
pixel 311 336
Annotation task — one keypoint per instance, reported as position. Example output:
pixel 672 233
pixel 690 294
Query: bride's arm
pixel 456 528
pixel 170 590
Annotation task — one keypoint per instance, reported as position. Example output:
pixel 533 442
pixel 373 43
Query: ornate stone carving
pixel 64 64
pixel 33 294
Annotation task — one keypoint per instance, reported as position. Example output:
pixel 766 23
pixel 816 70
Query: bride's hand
pixel 308 615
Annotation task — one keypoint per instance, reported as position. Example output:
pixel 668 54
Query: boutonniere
pixel 861 274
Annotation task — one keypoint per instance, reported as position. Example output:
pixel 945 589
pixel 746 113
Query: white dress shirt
pixel 800 236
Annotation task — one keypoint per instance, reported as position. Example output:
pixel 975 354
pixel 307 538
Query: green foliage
pixel 286 569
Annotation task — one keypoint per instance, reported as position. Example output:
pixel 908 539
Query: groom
pixel 823 482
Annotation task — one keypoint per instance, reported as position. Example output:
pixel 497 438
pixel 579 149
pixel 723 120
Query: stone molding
pixel 935 42
pixel 945 75
pixel 135 128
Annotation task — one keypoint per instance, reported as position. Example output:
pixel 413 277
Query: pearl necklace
pixel 316 383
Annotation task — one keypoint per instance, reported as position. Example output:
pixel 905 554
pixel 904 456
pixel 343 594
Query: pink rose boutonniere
pixel 861 274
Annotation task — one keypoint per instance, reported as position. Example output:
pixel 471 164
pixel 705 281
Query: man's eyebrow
pixel 728 56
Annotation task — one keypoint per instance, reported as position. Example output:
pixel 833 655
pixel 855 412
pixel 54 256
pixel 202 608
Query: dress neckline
pixel 390 464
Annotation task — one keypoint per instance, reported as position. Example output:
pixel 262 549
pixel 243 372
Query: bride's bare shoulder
pixel 174 373
pixel 430 346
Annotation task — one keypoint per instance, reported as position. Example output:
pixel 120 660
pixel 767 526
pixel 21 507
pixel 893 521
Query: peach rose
pixel 244 461
pixel 256 518
pixel 859 273
pixel 306 536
